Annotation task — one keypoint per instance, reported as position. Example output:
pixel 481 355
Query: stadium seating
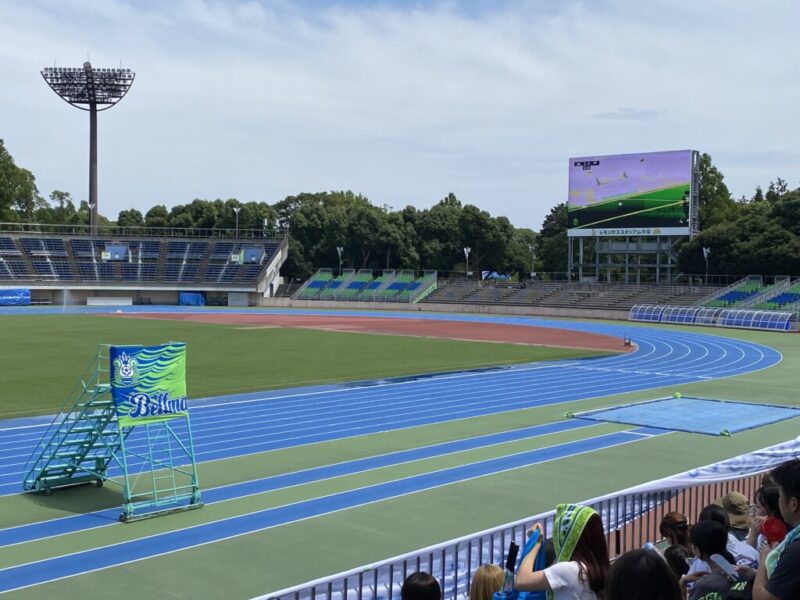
pixel 391 291
pixel 8 248
pixel 369 290
pixel 362 287
pixel 699 315
pixel 28 259
pixel 336 285
pixel 82 248
pixel 312 288
pixel 419 288
pixel 736 294
pixel 782 300
pixel 356 285
pixel 619 296
pixel 756 319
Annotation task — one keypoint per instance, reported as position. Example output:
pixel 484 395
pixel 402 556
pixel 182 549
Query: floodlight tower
pixel 92 90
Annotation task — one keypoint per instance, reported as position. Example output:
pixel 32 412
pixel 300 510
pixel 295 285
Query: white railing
pixel 630 519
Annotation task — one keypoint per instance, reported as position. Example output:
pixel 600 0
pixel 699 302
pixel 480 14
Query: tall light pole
pixel 91 90
pixel 467 250
pixel 706 252
pixel 92 228
pixel 532 248
pixel 236 209
pixel 339 250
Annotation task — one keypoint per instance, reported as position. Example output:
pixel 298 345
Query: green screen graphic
pixel 630 194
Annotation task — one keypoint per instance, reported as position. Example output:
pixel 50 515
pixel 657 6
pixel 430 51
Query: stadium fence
pixel 630 519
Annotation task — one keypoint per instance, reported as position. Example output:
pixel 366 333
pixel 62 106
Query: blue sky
pixel 400 101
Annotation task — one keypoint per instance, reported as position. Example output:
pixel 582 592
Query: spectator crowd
pixel 735 549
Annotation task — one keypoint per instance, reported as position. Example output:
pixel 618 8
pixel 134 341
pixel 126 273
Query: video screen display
pixel 630 194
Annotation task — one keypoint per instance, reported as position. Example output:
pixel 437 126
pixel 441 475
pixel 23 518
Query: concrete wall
pixel 80 296
pixel 487 309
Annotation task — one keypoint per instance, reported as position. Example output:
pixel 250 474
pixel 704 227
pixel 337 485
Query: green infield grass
pixel 50 350
pixel 43 356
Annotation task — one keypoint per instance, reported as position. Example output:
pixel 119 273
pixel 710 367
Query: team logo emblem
pixel 125 372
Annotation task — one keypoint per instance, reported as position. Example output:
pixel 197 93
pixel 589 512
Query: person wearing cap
pixel 582 563
pixel 778 575
pixel 738 509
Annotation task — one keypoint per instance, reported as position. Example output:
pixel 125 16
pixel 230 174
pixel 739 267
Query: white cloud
pixel 258 100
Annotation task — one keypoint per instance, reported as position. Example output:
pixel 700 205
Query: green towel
pixel 569 524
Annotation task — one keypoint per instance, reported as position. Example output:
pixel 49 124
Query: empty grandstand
pixel 783 296
pixel 60 265
pixel 363 286
pixel 563 294
pixel 738 294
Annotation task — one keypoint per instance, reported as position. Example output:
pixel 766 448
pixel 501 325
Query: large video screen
pixel 630 194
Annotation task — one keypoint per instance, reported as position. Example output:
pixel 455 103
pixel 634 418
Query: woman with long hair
pixel 582 564
pixel 766 506
pixel 487 580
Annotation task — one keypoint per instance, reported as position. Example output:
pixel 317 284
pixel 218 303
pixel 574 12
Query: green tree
pixel 518 252
pixel 19 196
pixel 552 248
pixel 715 202
pixel 158 216
pixel 130 218
pixel 439 238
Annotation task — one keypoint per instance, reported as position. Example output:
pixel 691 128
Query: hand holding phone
pixel 723 564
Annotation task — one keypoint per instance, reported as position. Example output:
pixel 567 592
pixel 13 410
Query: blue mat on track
pixel 694 415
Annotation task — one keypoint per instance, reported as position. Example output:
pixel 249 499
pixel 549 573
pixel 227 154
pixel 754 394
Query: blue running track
pixel 256 422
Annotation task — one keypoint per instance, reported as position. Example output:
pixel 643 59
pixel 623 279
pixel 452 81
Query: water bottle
pixel 511 563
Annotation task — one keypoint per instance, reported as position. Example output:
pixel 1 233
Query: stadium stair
pixel 737 294
pixel 787 298
pixel 375 287
pixel 356 285
pixel 337 285
pixel 390 292
pixel 312 288
pixel 80 442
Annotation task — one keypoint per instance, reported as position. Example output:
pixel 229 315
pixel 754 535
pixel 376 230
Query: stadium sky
pixel 400 101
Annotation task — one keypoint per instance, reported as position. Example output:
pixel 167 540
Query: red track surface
pixel 455 330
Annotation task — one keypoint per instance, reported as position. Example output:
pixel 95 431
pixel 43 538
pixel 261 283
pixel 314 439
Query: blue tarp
pixel 192 299
pixel 494 275
pixel 15 297
pixel 696 415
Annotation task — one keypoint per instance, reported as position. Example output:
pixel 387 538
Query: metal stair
pixel 80 442
pixel 92 435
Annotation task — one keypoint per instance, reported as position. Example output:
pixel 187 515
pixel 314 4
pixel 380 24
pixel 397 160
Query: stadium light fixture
pixel 236 209
pixel 706 252
pixel 532 248
pixel 92 90
pixel 467 250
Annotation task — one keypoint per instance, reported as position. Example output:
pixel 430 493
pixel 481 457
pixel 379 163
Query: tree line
pixel 755 235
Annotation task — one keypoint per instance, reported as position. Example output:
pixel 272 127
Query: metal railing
pixel 113 231
pixel 630 520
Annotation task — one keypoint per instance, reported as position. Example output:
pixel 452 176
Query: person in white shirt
pixel 582 564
